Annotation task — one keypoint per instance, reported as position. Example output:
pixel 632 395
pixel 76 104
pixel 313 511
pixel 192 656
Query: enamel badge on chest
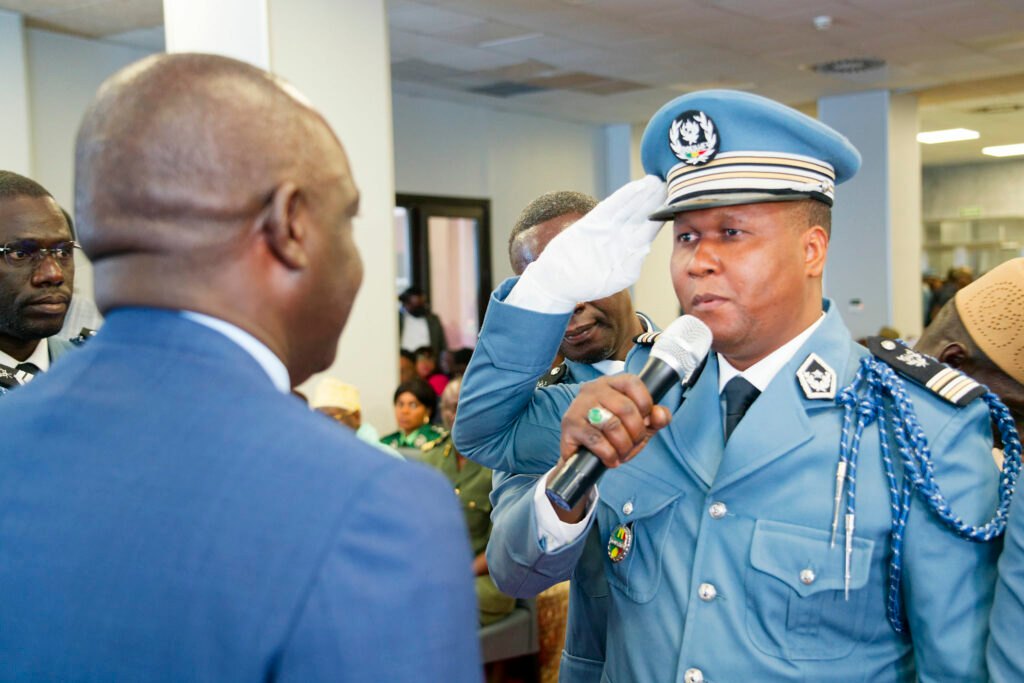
pixel 620 542
pixel 816 378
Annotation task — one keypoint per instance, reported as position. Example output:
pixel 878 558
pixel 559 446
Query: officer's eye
pixel 731 232
pixel 686 237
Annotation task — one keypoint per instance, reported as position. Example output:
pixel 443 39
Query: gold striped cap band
pixel 770 175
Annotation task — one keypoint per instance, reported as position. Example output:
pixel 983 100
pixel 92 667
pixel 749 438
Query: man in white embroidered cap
pixel 768 525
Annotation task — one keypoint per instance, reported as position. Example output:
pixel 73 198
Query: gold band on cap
pixel 992 311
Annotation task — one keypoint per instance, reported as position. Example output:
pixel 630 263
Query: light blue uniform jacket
pixel 1005 653
pixel 776 481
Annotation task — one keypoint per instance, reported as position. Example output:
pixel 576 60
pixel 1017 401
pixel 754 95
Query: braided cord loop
pixel 878 393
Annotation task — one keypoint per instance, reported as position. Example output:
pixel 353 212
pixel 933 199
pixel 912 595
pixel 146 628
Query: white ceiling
pixel 601 61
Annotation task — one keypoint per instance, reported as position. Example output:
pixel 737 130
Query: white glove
pixel 597 256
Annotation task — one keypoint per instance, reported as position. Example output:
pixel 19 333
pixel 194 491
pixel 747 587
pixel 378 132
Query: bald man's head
pixel 187 139
pixel 205 183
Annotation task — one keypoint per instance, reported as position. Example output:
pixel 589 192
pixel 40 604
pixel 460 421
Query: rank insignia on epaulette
pixel 816 378
pixel 948 383
pixel 554 376
pixel 647 338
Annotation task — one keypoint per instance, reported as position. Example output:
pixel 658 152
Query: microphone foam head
pixel 683 344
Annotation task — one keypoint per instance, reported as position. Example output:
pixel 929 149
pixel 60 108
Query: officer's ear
pixel 954 355
pixel 815 246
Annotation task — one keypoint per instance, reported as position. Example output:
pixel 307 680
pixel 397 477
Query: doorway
pixel 443 246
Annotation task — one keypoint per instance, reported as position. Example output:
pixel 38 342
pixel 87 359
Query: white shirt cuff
pixel 529 295
pixel 552 532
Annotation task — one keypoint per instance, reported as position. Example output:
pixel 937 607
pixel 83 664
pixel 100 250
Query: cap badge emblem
pixel 816 378
pixel 693 138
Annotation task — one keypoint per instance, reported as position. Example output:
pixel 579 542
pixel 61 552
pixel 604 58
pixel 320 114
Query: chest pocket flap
pixel 788 551
pixel 647 505
pixel 797 608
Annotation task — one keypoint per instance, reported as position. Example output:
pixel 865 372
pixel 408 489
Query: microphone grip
pixel 571 483
pixel 583 469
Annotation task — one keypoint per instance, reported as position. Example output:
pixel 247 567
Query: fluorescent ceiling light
pixel 1004 150
pixel 949 135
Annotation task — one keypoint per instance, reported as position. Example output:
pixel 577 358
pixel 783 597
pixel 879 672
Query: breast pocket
pixel 796 606
pixel 644 510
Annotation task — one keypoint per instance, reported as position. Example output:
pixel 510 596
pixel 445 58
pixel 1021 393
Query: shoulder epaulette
pixel 82 336
pixel 433 443
pixel 647 338
pixel 945 382
pixel 650 333
pixel 555 375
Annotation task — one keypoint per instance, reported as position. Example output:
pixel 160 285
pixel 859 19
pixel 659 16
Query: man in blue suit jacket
pixel 168 512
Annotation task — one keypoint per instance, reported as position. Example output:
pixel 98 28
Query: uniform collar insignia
pixel 693 138
pixel 816 378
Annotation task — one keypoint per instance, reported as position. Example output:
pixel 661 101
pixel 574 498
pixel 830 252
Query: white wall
pixel 448 149
pixel 64 73
pixel 994 189
pixel 15 147
pixel 336 53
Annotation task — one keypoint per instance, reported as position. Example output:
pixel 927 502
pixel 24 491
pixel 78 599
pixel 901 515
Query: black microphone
pixel 676 354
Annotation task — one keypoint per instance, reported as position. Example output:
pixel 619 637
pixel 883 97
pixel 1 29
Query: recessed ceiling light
pixel 853 65
pixel 1004 150
pixel 933 137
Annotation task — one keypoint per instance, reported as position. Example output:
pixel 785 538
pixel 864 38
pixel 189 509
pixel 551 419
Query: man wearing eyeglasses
pixel 37 274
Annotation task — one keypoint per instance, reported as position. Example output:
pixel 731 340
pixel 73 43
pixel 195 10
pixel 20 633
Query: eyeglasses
pixel 28 252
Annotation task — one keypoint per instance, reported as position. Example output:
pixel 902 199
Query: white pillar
pixel 232 28
pixel 873 273
pixel 15 143
pixel 336 53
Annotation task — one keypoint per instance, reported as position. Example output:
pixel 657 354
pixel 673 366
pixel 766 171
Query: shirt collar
pixel 40 357
pixel 259 351
pixel 761 373
pixel 609 367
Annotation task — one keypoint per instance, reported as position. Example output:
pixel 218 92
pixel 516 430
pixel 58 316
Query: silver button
pixel 717 510
pixel 807 576
pixel 627 508
pixel 707 592
pixel 888 345
pixel 693 676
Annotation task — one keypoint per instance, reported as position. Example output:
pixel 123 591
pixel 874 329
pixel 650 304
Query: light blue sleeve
pixel 1005 655
pixel 394 598
pixel 516 558
pixel 503 421
pixel 949 581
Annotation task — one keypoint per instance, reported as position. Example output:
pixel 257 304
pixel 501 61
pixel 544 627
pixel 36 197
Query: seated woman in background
pixel 415 402
pixel 472 484
pixel 426 368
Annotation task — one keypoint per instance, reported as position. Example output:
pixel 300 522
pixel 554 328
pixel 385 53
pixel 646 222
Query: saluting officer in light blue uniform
pixel 826 537
pixel 511 364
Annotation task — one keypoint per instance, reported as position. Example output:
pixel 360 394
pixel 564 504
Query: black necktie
pixel 739 394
